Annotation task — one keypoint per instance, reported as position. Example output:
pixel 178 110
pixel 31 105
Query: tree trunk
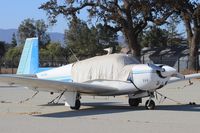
pixel 193 32
pixel 132 40
pixel 135 47
pixel 193 52
pixel 193 57
pixel 131 31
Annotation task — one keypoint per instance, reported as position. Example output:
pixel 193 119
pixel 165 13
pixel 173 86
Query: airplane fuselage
pixel 107 75
pixel 142 78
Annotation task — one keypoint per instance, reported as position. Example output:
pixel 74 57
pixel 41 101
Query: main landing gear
pixel 150 104
pixel 134 102
pixel 77 103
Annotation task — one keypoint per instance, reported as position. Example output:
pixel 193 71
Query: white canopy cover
pixel 109 67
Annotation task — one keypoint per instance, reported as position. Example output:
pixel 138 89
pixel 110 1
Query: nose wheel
pixel 150 104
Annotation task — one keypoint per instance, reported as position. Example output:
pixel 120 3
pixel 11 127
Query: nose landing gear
pixel 150 104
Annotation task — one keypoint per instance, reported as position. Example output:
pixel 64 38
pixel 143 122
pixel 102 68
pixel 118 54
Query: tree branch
pixel 113 29
pixel 161 21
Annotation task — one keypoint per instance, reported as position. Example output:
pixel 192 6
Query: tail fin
pixel 29 61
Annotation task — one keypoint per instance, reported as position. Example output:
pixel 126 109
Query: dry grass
pixel 8 70
pixel 185 72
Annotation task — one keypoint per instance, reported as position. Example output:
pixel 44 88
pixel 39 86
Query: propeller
pixel 169 71
pixel 166 71
pixel 157 68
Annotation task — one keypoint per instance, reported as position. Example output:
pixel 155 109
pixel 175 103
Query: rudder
pixel 29 61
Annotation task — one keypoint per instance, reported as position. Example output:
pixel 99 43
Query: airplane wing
pixel 186 77
pixel 57 86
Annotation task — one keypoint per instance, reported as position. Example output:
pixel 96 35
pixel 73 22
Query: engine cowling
pixel 150 76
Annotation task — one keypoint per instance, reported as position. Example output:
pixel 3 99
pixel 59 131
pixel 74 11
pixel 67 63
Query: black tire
pixel 77 105
pixel 150 105
pixel 134 102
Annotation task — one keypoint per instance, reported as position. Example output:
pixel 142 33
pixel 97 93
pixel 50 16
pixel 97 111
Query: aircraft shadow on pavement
pixel 96 108
pixel 111 108
pixel 181 107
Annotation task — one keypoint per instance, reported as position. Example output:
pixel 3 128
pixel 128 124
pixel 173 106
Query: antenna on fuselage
pixel 109 50
pixel 74 54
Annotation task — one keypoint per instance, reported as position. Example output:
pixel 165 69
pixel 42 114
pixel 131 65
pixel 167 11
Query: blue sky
pixel 13 12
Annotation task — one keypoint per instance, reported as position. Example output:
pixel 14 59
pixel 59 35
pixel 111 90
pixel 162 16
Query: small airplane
pixel 107 75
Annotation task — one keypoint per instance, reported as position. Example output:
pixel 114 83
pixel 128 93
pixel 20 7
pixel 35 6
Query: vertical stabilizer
pixel 29 61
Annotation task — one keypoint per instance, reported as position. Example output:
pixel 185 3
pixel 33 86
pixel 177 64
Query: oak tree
pixel 189 11
pixel 128 16
pixel 33 28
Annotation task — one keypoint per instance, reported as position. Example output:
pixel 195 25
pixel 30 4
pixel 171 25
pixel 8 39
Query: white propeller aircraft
pixel 107 75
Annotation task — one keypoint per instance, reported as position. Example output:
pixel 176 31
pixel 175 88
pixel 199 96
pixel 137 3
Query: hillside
pixel 6 35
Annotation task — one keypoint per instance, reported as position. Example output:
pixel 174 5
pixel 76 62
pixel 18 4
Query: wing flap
pixel 55 86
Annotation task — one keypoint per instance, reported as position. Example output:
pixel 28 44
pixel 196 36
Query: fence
pixel 10 67
pixel 180 63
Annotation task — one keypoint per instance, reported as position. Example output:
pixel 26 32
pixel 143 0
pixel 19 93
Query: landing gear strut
pixel 134 102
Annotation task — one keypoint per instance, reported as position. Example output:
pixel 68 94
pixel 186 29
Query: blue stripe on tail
pixel 29 61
